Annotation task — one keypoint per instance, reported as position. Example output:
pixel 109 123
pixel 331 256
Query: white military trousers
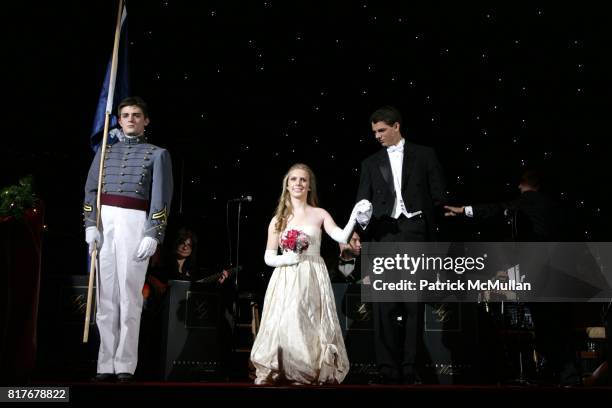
pixel 119 295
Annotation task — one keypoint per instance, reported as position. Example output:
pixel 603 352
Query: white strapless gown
pixel 299 338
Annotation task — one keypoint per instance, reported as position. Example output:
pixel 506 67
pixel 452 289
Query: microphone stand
pixel 237 243
pixel 235 305
pixel 522 379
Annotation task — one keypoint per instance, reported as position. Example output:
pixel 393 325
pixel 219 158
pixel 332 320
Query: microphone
pixel 241 199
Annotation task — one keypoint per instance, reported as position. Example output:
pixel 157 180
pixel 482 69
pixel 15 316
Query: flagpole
pixel 109 109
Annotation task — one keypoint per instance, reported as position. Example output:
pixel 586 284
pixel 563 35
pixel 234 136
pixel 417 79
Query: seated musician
pixel 178 263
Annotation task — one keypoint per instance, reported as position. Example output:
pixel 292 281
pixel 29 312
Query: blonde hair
pixel 284 209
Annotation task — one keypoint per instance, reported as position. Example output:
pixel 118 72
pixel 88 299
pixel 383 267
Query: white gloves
pixel 361 210
pixel 288 258
pixel 93 238
pixel 364 213
pixel 146 248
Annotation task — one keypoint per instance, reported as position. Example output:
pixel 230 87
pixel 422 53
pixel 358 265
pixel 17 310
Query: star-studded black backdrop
pixel 239 91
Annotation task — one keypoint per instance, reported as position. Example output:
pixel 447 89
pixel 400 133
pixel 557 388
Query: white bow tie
pixel 396 148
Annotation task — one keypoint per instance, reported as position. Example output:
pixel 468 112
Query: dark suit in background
pixel 537 217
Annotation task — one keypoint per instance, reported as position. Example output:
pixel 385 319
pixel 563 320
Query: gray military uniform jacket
pixel 135 175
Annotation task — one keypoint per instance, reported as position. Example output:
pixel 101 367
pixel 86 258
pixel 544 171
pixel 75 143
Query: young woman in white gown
pixel 299 339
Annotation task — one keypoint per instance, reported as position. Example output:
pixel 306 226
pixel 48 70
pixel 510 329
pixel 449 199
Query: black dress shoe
pixel 125 377
pixel 103 377
pixel 389 376
pixel 380 379
pixel 409 379
pixel 409 375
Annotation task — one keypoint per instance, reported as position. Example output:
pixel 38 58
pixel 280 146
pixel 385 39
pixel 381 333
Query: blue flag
pixel 119 90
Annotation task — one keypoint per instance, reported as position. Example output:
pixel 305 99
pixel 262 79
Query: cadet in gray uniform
pixel 135 202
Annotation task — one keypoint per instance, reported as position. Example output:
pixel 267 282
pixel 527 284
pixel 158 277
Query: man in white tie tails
pixel 404 183
pixel 134 207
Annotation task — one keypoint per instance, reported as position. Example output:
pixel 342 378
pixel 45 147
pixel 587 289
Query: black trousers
pixel 608 323
pixel 554 338
pixel 396 340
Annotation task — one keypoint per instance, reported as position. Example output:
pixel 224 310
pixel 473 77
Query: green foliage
pixel 15 200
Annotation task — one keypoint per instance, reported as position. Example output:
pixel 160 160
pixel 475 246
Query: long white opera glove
pixel 146 248
pixel 288 258
pixel 93 237
pixel 343 235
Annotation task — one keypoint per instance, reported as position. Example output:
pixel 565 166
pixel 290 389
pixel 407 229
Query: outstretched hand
pixel 453 211
pixel 363 206
pixel 363 212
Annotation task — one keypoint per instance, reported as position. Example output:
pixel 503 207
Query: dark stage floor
pixel 387 394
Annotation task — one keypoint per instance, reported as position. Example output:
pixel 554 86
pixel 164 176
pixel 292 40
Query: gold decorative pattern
pixel 161 215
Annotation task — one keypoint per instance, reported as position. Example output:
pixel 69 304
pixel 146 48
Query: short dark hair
pixel 134 101
pixel 388 114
